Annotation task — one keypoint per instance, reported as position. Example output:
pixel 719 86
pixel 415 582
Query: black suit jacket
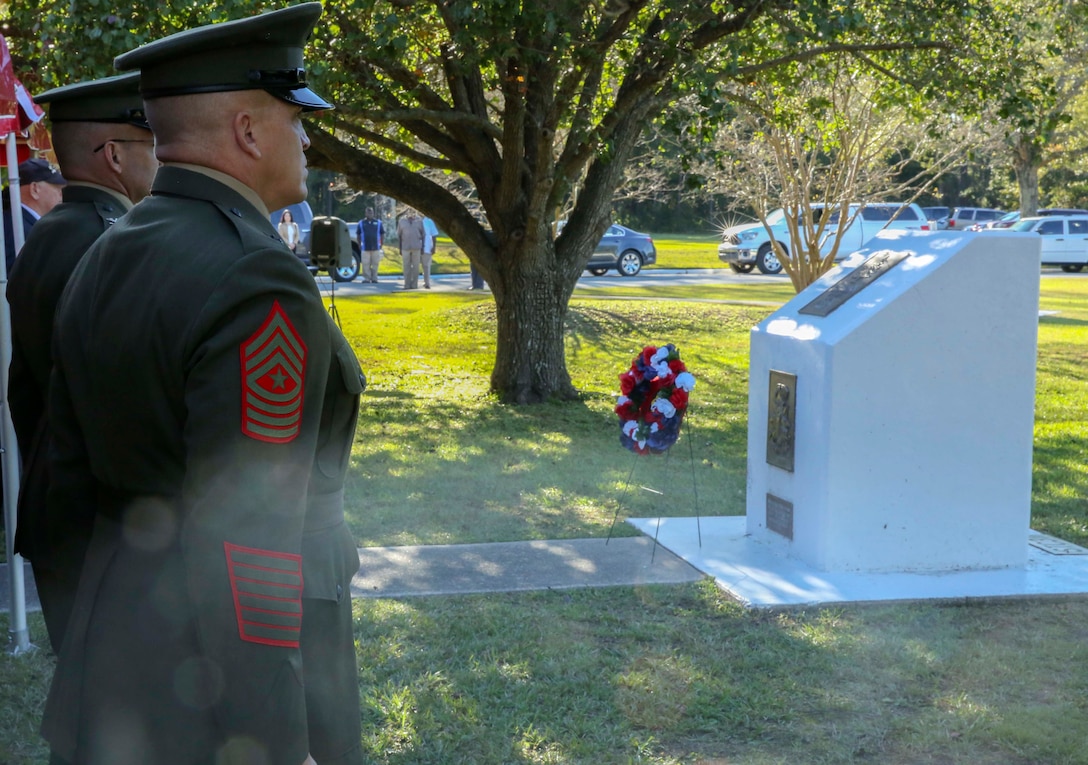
pixel 9 232
pixel 35 284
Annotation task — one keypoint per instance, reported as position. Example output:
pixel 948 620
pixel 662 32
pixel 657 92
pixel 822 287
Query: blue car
pixel 624 250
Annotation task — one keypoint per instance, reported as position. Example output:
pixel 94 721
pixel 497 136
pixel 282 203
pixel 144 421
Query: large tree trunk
pixel 1027 177
pixel 1027 159
pixel 530 360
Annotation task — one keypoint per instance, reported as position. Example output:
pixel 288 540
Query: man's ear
pixel 34 189
pixel 113 161
pixel 245 133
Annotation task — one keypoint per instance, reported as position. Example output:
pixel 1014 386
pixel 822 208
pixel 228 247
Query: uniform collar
pixel 121 199
pixel 229 181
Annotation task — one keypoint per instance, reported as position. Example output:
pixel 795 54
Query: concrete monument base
pixel 759 576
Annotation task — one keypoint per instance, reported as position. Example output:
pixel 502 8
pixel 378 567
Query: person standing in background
pixel 477 280
pixel 370 235
pixel 106 150
pixel 39 191
pixel 288 230
pixel 410 238
pixel 430 232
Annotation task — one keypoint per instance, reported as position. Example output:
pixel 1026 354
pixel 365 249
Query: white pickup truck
pixel 746 246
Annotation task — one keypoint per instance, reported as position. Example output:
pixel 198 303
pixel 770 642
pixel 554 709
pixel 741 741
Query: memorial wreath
pixel 653 399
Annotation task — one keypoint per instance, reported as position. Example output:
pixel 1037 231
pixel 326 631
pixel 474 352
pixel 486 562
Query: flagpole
pixel 9 452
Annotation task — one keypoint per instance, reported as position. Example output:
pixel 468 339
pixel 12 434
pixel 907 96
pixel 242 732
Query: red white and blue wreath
pixel 654 396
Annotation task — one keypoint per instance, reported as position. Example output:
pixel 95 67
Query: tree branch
pixel 745 72
pixel 397 147
pixel 365 172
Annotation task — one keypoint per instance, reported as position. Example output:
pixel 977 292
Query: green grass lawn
pixel 661 675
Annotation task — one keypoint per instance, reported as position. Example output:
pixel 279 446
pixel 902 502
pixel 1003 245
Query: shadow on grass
pixel 429 474
pixel 1061 321
pixel 446 463
pixel 1060 486
pixel 680 675
pixel 1066 362
pixel 579 677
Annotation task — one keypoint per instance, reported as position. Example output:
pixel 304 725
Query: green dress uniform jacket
pixel 54 545
pixel 205 403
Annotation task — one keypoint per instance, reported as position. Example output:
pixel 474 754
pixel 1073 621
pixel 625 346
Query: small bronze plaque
pixel 780 516
pixel 854 282
pixel 781 419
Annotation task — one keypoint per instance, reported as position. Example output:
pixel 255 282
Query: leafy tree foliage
pixel 496 117
pixel 841 139
pixel 1037 124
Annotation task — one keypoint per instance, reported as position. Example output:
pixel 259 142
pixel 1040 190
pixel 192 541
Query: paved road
pixel 611 280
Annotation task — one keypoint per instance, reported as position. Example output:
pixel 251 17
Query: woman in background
pixel 289 230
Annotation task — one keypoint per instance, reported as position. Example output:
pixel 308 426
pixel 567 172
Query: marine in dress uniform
pixel 202 396
pixel 100 132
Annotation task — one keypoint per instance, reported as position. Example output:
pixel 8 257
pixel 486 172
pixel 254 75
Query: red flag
pixel 18 112
pixel 9 108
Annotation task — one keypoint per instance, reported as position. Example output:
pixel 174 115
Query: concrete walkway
pixel 400 572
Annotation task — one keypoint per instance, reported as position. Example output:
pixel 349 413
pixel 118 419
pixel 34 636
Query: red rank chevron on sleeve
pixel 273 373
pixel 267 589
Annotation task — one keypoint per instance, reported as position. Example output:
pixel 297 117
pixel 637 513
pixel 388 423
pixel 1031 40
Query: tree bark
pixel 530 357
pixel 1027 159
pixel 1027 178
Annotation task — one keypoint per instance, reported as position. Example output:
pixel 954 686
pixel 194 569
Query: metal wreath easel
pixel 333 310
pixel 694 488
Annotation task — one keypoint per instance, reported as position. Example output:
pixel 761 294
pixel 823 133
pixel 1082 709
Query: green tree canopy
pixel 492 116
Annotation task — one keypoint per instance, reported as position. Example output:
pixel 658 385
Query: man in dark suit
pixel 39 191
pixel 106 150
pixel 205 402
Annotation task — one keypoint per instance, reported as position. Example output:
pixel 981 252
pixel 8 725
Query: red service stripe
pixel 239 610
pixel 267 626
pixel 285 614
pixel 230 548
pixel 255 567
pixel 286 439
pixel 271 642
pixel 267 582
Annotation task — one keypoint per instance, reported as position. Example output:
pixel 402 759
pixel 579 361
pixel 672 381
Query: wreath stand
pixel 333 311
pixel 635 457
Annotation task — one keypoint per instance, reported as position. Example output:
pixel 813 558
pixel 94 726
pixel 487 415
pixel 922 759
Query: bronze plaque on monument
pixel 781 419
pixel 780 516
pixel 854 282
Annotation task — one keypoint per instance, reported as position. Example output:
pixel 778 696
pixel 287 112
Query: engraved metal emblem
pixel 780 516
pixel 781 419
pixel 854 282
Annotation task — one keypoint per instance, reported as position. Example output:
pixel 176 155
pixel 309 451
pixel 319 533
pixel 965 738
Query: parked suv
pixel 1065 239
pixel 748 246
pixel 1010 219
pixel 965 217
pixel 304 217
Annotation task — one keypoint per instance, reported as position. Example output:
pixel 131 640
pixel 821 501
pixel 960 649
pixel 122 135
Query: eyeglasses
pixel 120 140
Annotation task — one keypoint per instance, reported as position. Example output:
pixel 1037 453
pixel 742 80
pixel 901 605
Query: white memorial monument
pixel 891 408
pixel 890 432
